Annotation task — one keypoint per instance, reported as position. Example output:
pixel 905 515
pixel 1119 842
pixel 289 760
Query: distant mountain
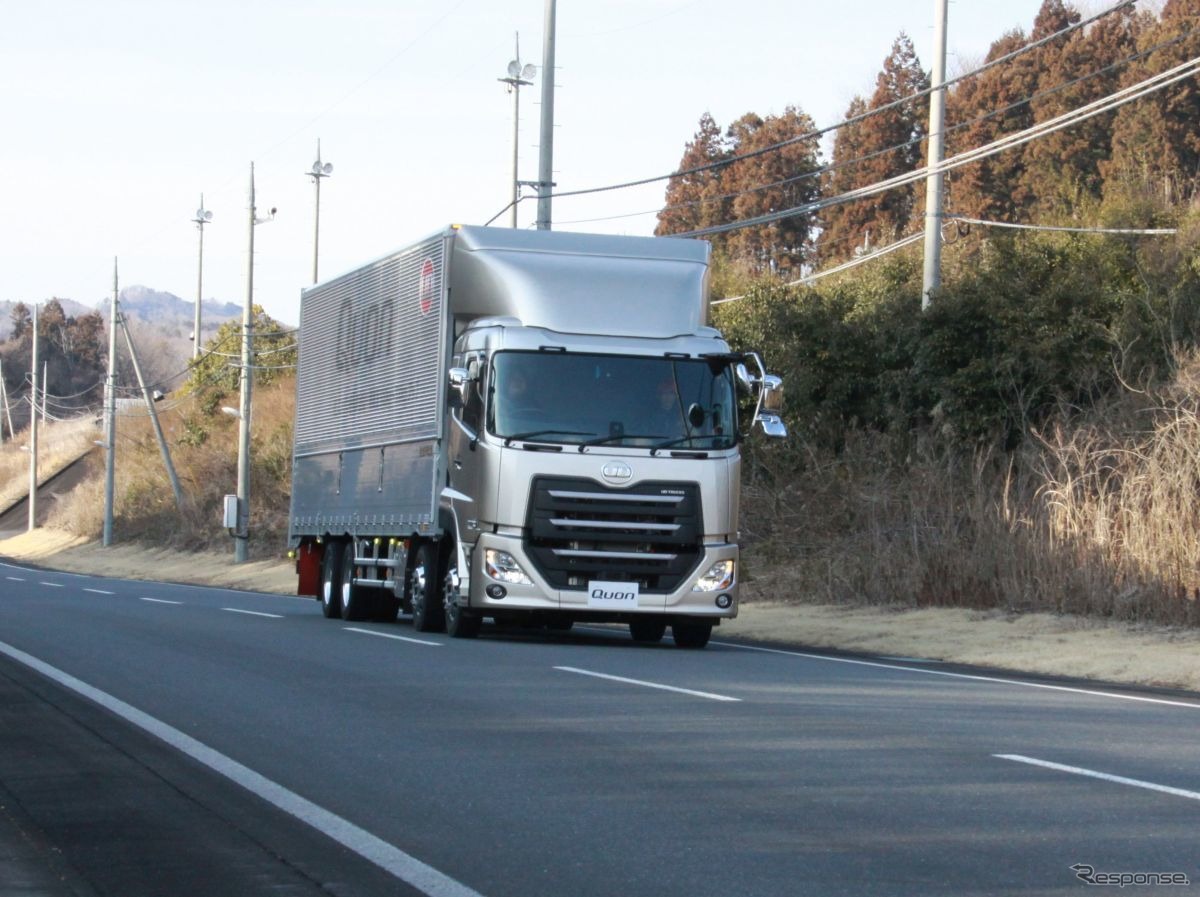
pixel 157 307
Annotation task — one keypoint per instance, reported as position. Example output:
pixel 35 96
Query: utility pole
pixel 4 402
pixel 317 172
pixel 203 216
pixel 518 76
pixel 241 545
pixel 33 426
pixel 546 140
pixel 110 418
pixel 933 182
pixel 158 431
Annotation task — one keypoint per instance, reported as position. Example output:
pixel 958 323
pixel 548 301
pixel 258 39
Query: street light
pixel 203 217
pixel 518 76
pixel 319 170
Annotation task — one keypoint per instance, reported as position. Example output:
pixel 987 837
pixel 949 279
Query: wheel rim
pixel 450 598
pixel 418 591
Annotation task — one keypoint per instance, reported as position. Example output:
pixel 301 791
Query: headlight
pixel 503 566
pixel 719 576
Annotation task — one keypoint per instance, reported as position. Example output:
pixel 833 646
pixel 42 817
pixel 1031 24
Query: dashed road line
pixel 158 600
pixel 1103 776
pixel 53 585
pixel 398 638
pixel 252 613
pixel 99 592
pixel 685 691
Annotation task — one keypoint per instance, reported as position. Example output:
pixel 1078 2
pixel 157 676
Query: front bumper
pixel 538 595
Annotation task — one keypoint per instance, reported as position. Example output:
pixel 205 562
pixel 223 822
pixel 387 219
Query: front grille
pixel 580 530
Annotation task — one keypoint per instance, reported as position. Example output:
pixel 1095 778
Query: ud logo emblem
pixel 617 472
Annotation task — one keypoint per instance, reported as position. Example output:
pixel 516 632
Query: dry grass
pixel 59 444
pixel 203 444
pixel 1099 515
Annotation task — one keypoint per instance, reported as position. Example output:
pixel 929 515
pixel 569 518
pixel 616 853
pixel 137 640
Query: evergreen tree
pixel 694 201
pixel 982 109
pixel 779 179
pixel 1063 169
pixel 886 144
pixel 1155 140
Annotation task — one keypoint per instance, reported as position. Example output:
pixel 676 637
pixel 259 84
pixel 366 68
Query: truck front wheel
pixel 691 634
pixel 427 609
pixel 647 629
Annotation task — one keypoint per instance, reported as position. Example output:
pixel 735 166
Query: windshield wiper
pixel 523 437
pixel 603 440
pixel 670 442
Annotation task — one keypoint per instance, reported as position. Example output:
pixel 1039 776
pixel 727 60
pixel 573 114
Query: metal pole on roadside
pixel 45 388
pixel 110 418
pixel 546 138
pixel 319 170
pixel 241 536
pixel 3 403
pixel 33 426
pixel 203 217
pixel 932 279
pixel 158 431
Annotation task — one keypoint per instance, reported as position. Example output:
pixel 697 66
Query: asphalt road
pixel 245 744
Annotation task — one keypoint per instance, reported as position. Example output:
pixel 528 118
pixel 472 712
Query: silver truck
pixel 535 427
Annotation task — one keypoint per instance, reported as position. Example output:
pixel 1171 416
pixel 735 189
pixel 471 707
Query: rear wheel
pixel 331 574
pixel 691 634
pixel 427 610
pixel 356 604
pixel 649 629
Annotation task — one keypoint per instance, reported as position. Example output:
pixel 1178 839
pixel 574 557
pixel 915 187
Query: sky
pixel 118 115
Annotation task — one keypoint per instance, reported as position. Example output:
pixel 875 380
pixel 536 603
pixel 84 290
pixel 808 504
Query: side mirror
pixel 460 384
pixel 744 381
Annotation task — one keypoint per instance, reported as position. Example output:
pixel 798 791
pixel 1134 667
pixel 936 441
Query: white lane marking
pixel 968 676
pixel 682 691
pixel 392 859
pixel 16 578
pixel 173 585
pixel 1093 774
pixel 159 600
pixel 99 592
pixel 399 638
pixel 252 613
pixel 53 585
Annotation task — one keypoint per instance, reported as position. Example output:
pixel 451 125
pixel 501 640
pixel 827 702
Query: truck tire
pixel 648 630
pixel 691 634
pixel 331 576
pixel 356 604
pixel 461 622
pixel 427 608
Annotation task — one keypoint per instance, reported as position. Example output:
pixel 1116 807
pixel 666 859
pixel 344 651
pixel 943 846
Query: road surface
pixel 257 747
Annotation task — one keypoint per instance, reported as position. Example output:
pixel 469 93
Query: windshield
pixel 612 400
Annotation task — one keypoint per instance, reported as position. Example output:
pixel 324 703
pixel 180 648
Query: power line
pixel 1008 141
pixel 1135 231
pixel 820 132
pixel 857 160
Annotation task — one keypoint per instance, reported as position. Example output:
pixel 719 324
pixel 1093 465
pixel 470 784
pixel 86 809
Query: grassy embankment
pixel 59 444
